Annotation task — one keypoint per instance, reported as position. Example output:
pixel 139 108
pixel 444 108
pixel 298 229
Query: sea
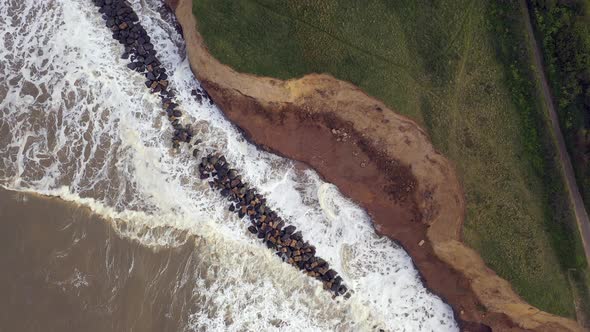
pixel 104 227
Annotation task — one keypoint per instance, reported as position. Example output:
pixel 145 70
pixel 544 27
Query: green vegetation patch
pixel 563 27
pixel 580 282
pixel 461 69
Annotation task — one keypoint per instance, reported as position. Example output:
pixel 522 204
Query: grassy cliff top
pixel 460 68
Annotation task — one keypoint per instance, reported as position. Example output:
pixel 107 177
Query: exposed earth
pixel 382 161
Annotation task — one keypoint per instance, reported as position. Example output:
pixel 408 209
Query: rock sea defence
pixel 381 160
pixel 285 240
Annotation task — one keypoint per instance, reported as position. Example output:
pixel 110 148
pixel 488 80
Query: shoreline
pixel 367 151
pixel 266 224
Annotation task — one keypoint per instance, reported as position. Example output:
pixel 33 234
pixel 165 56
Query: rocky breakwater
pixel 287 242
pixel 381 160
pixel 246 202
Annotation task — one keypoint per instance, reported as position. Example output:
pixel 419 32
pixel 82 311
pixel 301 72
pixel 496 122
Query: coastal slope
pixel 381 160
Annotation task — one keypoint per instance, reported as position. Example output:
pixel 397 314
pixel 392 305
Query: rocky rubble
pixel 265 224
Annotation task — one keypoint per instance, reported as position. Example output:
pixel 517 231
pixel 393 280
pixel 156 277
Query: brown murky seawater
pixel 64 268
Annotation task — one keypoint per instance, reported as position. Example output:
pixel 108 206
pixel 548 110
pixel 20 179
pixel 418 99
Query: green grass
pixel 580 280
pixel 563 28
pixel 460 70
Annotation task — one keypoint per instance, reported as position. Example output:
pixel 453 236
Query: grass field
pixel 580 282
pixel 459 69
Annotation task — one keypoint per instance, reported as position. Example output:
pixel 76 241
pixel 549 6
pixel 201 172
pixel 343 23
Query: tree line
pixel 563 27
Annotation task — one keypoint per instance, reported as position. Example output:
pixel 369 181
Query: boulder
pixel 232 174
pixel 289 229
pixel 297 235
pixel 212 159
pixel 330 274
pixel 222 172
pixel 334 287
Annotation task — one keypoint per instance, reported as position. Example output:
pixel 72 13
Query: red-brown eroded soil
pixel 382 161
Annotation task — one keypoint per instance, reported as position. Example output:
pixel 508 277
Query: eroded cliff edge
pixel 381 160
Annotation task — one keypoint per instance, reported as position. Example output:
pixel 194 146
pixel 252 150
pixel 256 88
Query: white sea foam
pixel 76 123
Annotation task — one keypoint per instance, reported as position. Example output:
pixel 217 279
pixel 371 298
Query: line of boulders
pixel 287 242
pixel 123 22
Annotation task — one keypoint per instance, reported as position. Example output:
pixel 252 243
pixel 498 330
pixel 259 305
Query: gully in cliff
pixel 265 223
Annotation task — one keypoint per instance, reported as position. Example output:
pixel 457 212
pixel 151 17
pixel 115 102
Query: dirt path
pixel 564 159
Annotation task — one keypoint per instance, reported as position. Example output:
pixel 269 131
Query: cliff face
pixel 381 160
